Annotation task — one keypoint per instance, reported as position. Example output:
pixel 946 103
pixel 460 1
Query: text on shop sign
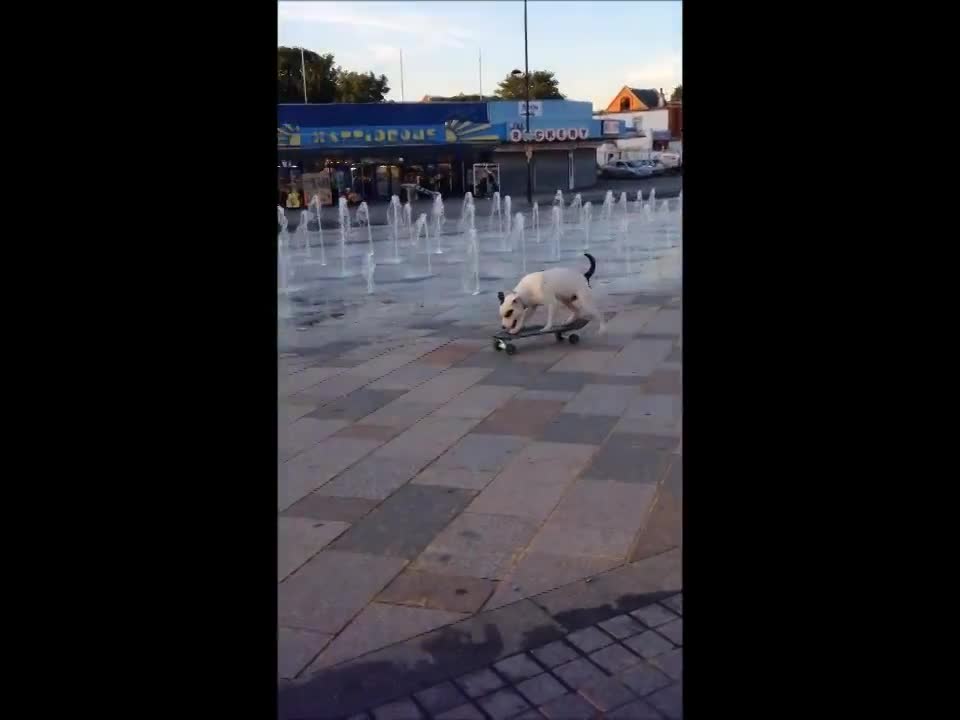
pixel 293 136
pixel 551 135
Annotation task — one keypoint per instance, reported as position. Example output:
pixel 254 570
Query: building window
pixel 624 104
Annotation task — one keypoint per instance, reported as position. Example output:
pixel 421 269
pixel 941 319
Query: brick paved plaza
pixel 464 534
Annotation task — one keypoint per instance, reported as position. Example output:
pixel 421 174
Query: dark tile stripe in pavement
pixel 522 630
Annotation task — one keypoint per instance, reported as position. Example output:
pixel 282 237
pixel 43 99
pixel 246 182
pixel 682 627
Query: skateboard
pixel 502 340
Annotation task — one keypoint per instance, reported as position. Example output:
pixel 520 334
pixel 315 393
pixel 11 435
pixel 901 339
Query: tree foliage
pixel 321 76
pixel 543 86
pixel 354 87
pixel 326 82
pixel 677 93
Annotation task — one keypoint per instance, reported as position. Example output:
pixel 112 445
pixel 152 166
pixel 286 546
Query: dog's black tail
pixel 593 266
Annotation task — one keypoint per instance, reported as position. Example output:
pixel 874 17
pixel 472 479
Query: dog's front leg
pixel 551 309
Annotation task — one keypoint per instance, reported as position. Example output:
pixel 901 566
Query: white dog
pixel 553 287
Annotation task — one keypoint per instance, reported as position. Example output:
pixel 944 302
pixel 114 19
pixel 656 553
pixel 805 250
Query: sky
pixel 593 47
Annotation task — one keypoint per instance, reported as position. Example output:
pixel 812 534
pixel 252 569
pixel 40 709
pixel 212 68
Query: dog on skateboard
pixel 553 287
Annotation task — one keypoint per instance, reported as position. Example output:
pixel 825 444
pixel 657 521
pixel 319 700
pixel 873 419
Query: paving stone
pixel 291 412
pixel 578 673
pixel 631 320
pixel 602 400
pixel 379 625
pixel 590 361
pixel 331 588
pixel 604 504
pixel 624 459
pixel 521 417
pixel 637 710
pixel 305 379
pixel 606 693
pixel 648 644
pixel 477 402
pixel 568 707
pixel 669 701
pixel 503 704
pixel 640 357
pixel 331 388
pixel 399 413
pixel 482 452
pixel 673 631
pixel 407 377
pixel 356 405
pixel 381 433
pixel 555 653
pixel 299 539
pixel 463 712
pixel 373 478
pixel 665 410
pixel 663 529
pixel 477 545
pixel 564 538
pixel 543 470
pixel 304 434
pixel 518 667
pixel 576 428
pixel 321 507
pixel 532 377
pixel 399 710
pixel 664 382
pixel 296 649
pixel 454 477
pixel 614 658
pixel 665 322
pixel 446 386
pixel 448 355
pixel 671 663
pixel 674 603
pixel 428 439
pixel 557 395
pixel 530 714
pixel 538 572
pixel 384 364
pixel 644 679
pixel 300 476
pixel 589 639
pixel 439 698
pixel 439 592
pixel 676 355
pixel 404 524
pixel 480 683
pixel 622 626
pixel 653 616
pixel 541 689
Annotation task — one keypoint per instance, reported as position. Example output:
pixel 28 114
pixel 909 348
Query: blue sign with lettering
pixel 360 136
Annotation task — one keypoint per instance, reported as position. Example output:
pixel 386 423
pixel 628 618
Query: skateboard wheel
pixel 559 337
pixel 574 338
pixel 496 345
pixel 511 348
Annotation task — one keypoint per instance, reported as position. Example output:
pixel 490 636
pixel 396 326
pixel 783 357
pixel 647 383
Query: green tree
pixel 543 86
pixel 320 71
pixel 677 93
pixel 354 87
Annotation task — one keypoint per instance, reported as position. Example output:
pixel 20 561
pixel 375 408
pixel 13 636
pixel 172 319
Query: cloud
pixel 378 18
pixel 665 71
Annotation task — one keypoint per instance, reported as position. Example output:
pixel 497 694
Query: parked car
pixel 621 169
pixel 644 168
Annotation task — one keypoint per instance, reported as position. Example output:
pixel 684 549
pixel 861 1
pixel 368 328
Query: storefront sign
pixel 536 108
pixel 549 135
pixel 294 136
pixel 611 127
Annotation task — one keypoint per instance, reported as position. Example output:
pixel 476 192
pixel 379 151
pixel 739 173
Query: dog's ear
pixel 500 297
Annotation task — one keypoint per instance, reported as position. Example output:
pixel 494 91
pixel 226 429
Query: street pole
pixel 526 72
pixel 303 75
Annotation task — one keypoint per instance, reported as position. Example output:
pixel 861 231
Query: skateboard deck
pixel 532 330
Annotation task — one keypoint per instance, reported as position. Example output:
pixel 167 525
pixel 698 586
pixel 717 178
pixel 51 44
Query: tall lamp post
pixel 526 75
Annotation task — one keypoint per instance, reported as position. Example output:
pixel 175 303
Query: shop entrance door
pixel 486 179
